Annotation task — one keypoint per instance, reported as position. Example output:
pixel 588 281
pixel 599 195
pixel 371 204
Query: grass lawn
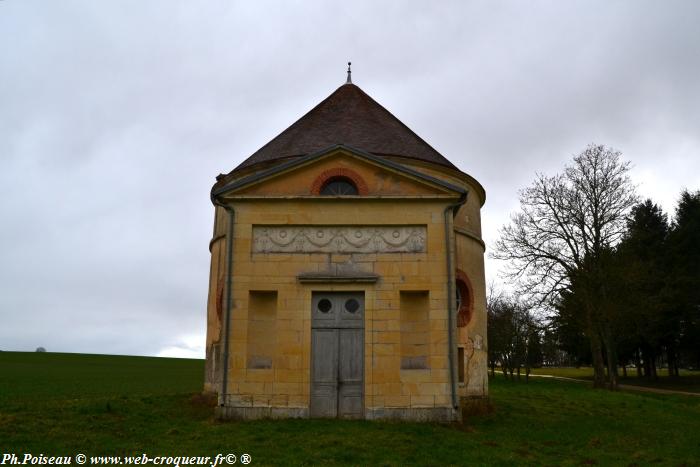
pixel 68 404
pixel 687 381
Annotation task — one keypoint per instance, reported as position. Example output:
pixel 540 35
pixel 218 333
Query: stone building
pixel 347 274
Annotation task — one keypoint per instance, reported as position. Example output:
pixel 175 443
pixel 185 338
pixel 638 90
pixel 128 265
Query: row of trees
pixel 621 283
pixel 514 336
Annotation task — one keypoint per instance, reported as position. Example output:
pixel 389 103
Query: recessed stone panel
pixel 339 239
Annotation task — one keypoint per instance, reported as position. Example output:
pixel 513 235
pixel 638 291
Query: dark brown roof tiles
pixel 350 117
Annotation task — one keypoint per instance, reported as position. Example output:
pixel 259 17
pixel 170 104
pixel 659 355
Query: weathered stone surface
pixel 253 413
pixel 339 239
pixel 427 414
pixel 431 414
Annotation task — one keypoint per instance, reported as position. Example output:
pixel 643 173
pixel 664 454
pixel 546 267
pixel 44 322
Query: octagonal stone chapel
pixel 347 274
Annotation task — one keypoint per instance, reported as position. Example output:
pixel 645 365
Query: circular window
pixel 352 305
pixel 324 305
pixel 339 186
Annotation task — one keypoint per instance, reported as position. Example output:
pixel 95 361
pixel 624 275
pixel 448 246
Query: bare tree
pixel 559 239
pixel 513 335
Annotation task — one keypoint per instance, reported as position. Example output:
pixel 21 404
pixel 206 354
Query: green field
pixel 68 404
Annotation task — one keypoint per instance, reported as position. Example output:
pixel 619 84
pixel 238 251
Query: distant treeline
pixel 602 279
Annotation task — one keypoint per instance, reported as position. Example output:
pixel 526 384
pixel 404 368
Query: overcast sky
pixel 115 117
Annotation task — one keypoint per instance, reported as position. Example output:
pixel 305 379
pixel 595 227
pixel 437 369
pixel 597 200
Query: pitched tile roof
pixel 350 117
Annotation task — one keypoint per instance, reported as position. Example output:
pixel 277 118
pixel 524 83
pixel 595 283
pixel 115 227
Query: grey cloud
pixel 115 116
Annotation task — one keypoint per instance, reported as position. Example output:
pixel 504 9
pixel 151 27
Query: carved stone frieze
pixel 339 239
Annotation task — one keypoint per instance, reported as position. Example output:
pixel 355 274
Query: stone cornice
pixel 471 235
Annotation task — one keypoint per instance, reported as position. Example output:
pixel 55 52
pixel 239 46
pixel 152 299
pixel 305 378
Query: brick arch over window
pixel 340 172
pixel 466 291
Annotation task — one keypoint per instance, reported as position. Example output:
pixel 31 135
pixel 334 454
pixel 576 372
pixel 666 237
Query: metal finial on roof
pixel 349 81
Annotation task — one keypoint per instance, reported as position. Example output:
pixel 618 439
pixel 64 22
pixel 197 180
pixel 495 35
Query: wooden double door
pixel 337 354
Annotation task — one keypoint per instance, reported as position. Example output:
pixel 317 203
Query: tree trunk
pixel 612 358
pixel 646 355
pixel 638 364
pixel 624 371
pixel 596 348
pixel 598 365
pixel 672 361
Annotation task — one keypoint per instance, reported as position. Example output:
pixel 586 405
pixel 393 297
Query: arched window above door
pixel 339 182
pixel 339 186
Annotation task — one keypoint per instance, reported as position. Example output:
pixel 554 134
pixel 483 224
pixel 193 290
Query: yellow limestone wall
pixel 386 385
pixel 472 337
pixel 286 384
pixel 469 257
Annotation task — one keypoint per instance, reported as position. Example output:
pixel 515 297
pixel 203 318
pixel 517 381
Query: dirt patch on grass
pixel 7 419
pixel 204 399
pixel 476 407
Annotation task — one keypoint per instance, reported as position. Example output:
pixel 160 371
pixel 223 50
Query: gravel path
pixel 626 387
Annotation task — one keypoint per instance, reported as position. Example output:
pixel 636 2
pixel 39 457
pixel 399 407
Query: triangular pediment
pixel 374 177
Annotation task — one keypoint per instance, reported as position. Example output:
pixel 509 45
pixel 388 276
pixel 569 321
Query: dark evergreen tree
pixel 646 325
pixel 684 257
